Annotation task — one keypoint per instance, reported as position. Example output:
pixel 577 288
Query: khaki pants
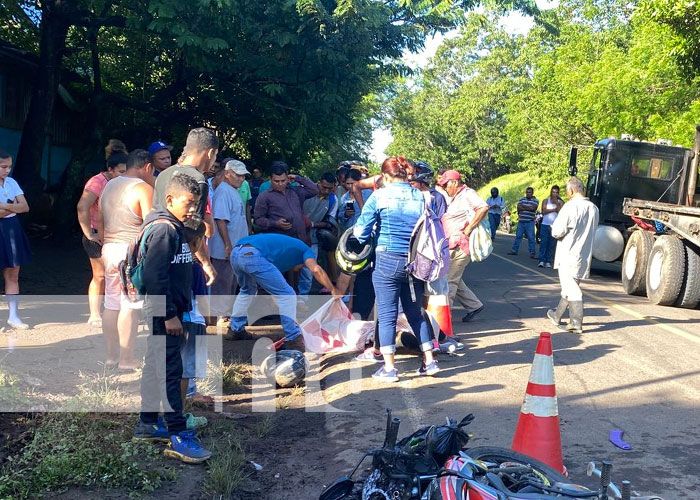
pixel 458 289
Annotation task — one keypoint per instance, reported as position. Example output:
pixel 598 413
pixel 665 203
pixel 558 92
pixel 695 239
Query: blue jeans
pixel 525 228
pixel 306 278
pixel 547 245
pixel 494 221
pixel 391 284
pixel 251 269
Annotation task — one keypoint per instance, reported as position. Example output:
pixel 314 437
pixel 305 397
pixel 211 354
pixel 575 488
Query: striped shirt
pixel 528 215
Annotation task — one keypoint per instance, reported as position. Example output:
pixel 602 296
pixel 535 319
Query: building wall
pixel 53 163
pixel 15 94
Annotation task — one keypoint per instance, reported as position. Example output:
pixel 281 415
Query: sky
pixel 515 23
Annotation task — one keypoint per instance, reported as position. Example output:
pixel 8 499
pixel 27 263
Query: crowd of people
pixel 199 238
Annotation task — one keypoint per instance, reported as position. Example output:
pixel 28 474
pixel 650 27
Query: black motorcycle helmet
pixel 328 238
pixel 424 173
pixel 352 256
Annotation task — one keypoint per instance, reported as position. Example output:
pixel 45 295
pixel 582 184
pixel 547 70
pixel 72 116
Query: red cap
pixel 449 175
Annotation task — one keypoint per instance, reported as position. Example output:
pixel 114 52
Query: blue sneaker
pixel 152 432
pixel 185 447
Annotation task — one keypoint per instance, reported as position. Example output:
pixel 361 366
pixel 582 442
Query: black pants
pixel 160 380
pixel 363 294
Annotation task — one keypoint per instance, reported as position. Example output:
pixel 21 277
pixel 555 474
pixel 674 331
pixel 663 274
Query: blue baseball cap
pixel 158 146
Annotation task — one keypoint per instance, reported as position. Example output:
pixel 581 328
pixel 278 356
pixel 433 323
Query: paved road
pixel 637 368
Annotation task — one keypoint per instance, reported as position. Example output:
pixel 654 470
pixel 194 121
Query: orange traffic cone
pixel 537 433
pixel 438 310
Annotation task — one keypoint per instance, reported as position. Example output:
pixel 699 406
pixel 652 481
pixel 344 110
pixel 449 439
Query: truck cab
pixel 631 169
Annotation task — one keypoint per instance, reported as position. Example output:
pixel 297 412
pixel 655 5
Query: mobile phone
pixel 350 206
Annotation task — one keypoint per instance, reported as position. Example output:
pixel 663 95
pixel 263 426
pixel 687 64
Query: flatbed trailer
pixel 662 255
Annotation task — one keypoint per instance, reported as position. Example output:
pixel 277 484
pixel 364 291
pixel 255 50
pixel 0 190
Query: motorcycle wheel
pixel 501 455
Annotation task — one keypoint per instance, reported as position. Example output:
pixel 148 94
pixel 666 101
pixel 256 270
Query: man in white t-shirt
pixel 231 225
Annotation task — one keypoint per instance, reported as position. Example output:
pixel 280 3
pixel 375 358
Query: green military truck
pixel 649 202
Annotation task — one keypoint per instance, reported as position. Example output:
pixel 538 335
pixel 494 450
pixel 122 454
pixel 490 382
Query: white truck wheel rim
pixel 631 262
pixel 657 261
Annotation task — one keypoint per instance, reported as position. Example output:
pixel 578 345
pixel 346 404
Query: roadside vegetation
pixel 492 102
pixel 82 450
pixel 512 187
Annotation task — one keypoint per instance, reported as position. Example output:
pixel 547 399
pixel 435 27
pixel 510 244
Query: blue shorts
pixel 193 348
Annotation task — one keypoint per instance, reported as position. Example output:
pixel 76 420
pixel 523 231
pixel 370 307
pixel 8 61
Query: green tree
pixel 492 102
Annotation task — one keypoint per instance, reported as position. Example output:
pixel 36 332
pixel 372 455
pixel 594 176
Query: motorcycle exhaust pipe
pixel 388 427
pixel 392 434
pixel 593 471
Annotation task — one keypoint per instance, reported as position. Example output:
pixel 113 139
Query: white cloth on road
pixel 575 228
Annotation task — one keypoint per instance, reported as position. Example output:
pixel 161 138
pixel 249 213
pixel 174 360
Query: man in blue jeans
pixel 260 260
pixel 527 210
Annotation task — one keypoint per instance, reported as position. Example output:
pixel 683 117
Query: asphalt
pixel 636 368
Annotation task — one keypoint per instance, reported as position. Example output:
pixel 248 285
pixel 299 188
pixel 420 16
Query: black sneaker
pixel 470 315
pixel 237 335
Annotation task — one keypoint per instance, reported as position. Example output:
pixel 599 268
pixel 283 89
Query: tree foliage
pixel 683 18
pixel 286 78
pixel 492 102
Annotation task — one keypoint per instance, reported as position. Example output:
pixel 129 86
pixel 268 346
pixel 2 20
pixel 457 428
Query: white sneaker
pixel 540 264
pixel 368 356
pixel 548 265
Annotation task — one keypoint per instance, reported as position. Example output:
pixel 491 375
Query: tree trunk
pixel 54 30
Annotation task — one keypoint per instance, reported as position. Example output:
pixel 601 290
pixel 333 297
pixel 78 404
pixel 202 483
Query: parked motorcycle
pixel 432 464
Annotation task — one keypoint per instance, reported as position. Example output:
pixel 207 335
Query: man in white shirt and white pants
pixel 575 228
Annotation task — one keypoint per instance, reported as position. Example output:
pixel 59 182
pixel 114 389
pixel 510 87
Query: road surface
pixel 636 368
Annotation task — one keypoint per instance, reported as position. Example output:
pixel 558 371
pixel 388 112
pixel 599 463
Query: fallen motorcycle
pixel 401 470
pixel 431 464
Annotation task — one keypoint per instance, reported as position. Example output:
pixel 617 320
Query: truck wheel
pixel 665 270
pixel 634 262
pixel 689 295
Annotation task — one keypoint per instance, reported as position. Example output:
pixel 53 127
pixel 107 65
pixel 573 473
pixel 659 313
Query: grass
pixel 232 376
pixel 235 374
pixel 80 450
pixel 226 469
pixel 265 426
pixel 99 392
pixel 512 187
pixel 11 396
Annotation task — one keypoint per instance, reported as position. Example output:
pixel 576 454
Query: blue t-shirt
pixel 199 289
pixel 283 251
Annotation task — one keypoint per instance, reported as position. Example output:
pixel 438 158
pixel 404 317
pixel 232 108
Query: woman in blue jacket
pixel 392 213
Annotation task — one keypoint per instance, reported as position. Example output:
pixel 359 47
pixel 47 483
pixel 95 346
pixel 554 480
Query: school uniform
pixel 14 244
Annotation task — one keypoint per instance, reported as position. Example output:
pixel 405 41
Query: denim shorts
pixel 193 349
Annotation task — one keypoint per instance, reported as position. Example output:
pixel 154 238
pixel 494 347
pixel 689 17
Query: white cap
pixel 237 167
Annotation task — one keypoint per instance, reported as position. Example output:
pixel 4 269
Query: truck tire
pixel 689 295
pixel 634 262
pixel 665 270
